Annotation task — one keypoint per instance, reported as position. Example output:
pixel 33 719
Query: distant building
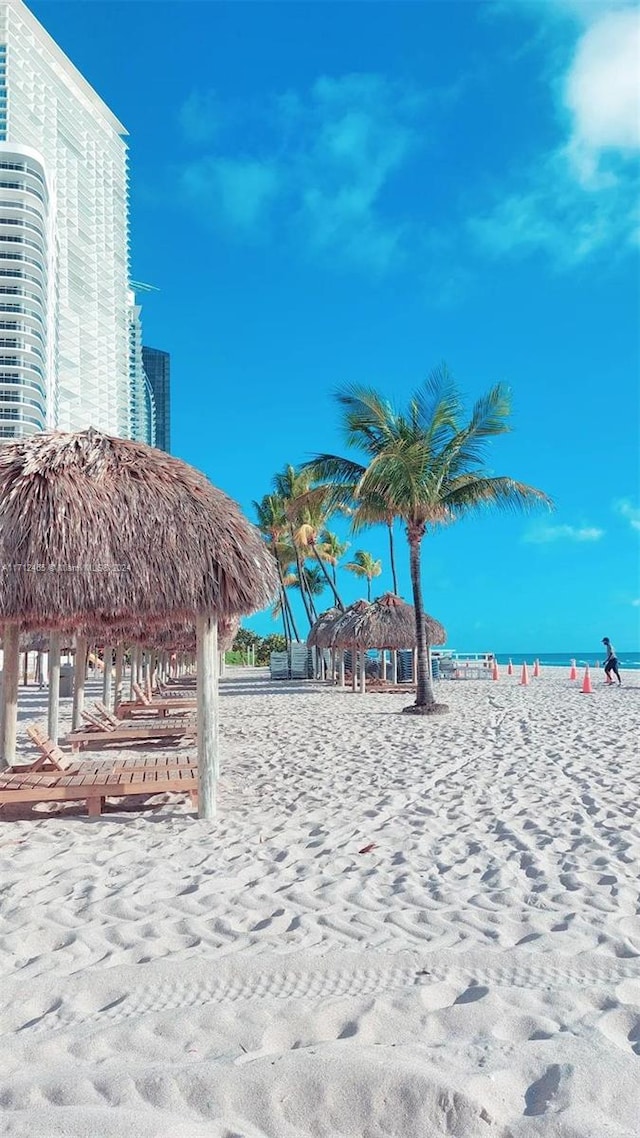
pixel 63 241
pixel 157 366
pixel 142 426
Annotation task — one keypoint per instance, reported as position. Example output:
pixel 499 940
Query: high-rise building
pixel 143 405
pixel 64 325
pixel 157 366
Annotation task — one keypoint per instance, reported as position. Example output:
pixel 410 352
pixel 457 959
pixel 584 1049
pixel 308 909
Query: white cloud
pixel 542 535
pixel 241 191
pixel 328 156
pixel 581 198
pixel 636 603
pixel 627 510
pixel 602 90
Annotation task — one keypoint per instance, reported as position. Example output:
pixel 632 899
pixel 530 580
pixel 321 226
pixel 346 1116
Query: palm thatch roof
pixel 343 628
pixel 320 633
pixel 391 623
pixel 100 530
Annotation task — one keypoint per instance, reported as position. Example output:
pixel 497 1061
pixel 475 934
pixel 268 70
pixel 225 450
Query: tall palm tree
pixel 428 467
pixel 336 482
pixel 365 565
pixel 331 549
pixel 307 517
pixel 274 526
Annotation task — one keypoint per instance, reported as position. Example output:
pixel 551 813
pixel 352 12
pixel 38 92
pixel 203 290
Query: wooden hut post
pixel 383 664
pixel 25 670
pixel 117 686
pixel 79 673
pixel 341 668
pixel 363 674
pixel 54 687
pixel 354 668
pixel 9 706
pixel 132 671
pixel 394 666
pixel 207 687
pixel 106 675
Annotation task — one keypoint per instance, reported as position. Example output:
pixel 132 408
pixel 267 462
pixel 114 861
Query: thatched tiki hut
pixel 98 531
pixel 320 635
pixel 340 636
pixel 391 623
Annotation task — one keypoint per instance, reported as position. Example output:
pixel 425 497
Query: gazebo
pixel 101 532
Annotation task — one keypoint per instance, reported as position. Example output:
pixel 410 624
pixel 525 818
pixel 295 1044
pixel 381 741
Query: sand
pixel 396 927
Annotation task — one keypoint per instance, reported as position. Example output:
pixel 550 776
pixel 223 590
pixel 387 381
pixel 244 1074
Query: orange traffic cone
pixel 586 688
pixel 573 675
pixel 495 674
pixel 536 668
pixel 525 676
pixel 510 668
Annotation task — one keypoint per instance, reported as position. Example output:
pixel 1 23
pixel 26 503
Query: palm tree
pixel 331 549
pixel 274 526
pixel 337 483
pixel 307 517
pixel 364 565
pixel 428 468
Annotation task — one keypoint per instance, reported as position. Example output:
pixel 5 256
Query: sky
pixel 351 193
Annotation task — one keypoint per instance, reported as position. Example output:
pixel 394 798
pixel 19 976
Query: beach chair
pixel 52 757
pixel 97 732
pixel 93 782
pixel 152 708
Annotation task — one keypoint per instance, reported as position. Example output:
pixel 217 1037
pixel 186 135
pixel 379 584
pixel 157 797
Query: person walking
pixel 611 662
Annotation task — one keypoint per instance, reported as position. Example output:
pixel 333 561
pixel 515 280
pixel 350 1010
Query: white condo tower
pixel 64 335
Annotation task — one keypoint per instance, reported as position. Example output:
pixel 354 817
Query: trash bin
pixel 66 680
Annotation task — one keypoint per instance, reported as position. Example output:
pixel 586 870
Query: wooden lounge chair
pixel 52 757
pixel 164 704
pixel 97 781
pixel 97 732
pixel 57 777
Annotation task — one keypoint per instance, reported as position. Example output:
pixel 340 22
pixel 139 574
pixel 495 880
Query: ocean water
pixel 563 659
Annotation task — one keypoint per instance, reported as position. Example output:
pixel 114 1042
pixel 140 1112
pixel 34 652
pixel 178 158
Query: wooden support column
pixel 107 674
pixel 79 673
pixel 363 675
pixel 9 703
pixel 341 668
pixel 53 718
pixel 394 666
pixel 354 668
pixel 132 672
pixel 207 689
pixel 117 686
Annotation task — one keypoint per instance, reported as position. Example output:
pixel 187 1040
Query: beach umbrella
pixel 99 530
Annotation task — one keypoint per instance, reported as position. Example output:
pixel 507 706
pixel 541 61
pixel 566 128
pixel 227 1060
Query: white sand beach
pixel 397 926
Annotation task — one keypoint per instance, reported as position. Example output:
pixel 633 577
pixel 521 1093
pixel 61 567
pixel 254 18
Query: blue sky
pixel 329 193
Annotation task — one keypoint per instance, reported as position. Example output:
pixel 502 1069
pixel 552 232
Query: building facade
pixel 157 366
pixel 143 406
pixel 64 318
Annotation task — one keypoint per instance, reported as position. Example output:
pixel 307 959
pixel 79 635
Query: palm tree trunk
pixel 425 697
pixel 369 588
pixel 393 559
pixel 303 581
pixel 285 618
pixel 294 631
pixel 330 582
